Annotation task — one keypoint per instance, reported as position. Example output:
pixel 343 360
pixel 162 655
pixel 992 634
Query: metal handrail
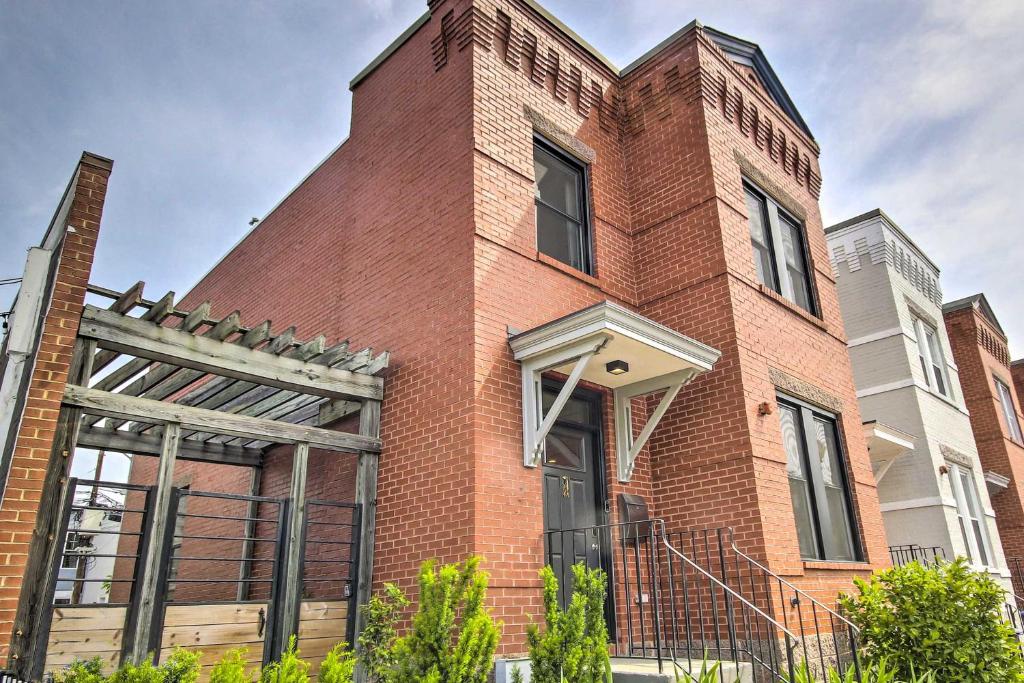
pixel 789 585
pixel 725 588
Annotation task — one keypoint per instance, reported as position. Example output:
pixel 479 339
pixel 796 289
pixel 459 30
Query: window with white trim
pixel 970 516
pixel 933 360
pixel 780 254
pixel 1009 411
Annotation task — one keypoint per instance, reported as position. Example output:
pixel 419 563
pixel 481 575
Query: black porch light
pixel 617 367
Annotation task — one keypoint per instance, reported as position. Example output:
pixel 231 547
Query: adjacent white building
pixel 931 485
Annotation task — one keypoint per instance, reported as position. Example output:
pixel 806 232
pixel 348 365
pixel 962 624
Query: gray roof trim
pixel 572 35
pixel 752 52
pixel 638 62
pixel 878 213
pixel 981 302
pixel 389 50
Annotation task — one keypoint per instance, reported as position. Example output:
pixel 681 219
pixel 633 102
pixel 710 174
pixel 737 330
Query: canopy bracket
pixel 626 447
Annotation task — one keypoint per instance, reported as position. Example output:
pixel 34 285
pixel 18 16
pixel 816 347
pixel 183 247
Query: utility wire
pixel 10 281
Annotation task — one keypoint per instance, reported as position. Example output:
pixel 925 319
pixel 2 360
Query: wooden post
pixel 366 498
pixel 291 578
pixel 251 510
pixel 160 525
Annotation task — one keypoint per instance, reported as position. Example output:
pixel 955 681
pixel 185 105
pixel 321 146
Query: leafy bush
pixel 181 667
pixel 231 668
pixel 338 667
pixel 289 669
pixel 377 639
pixel 944 618
pixel 453 637
pixel 90 671
pixel 574 643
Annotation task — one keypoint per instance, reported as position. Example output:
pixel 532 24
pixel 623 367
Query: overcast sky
pixel 212 111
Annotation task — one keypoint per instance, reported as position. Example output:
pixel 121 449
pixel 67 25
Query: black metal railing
pixel 1016 567
pixel 903 555
pixel 665 605
pixel 825 638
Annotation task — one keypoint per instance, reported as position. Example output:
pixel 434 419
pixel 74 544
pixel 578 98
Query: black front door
pixel 573 487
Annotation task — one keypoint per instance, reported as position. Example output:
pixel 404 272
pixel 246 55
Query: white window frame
pixel 1009 410
pixel 963 509
pixel 928 361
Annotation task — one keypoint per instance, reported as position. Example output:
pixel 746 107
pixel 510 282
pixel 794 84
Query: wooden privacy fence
pixel 223 570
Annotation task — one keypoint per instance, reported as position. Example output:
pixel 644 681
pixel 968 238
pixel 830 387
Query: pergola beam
pixel 132 408
pixel 149 444
pixel 146 340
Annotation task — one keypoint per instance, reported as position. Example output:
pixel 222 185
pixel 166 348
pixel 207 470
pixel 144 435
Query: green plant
pixel 453 637
pixel 338 667
pixel 944 618
pixel 375 649
pixel 181 667
pixel 88 671
pixel 231 668
pixel 574 643
pixel 290 668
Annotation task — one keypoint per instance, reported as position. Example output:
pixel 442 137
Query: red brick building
pixel 428 213
pixel 509 205
pixel 988 378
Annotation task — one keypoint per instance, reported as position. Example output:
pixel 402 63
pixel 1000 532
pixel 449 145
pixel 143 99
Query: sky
pixel 213 111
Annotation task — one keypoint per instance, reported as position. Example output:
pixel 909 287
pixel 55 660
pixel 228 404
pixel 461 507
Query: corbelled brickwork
pixel 981 354
pixel 73 256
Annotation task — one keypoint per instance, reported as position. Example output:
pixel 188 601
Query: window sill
pixel 568 270
pixel 838 565
pixel 786 303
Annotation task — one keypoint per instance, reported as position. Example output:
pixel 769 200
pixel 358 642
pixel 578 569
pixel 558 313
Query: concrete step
pixel 646 671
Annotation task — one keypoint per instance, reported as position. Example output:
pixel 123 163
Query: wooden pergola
pixel 149 378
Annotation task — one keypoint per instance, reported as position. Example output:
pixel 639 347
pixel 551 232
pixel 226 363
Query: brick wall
pixel 32 453
pixel 418 235
pixel 981 354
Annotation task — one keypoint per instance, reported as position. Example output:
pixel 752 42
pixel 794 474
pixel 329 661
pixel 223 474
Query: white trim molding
pixel 657 359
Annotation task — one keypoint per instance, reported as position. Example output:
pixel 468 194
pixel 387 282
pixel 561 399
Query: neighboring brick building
pixel 502 176
pixel 983 358
pixel 435 187
pixel 931 483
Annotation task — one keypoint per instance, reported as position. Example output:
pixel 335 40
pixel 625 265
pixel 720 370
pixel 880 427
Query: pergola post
pixel 147 612
pixel 366 499
pixel 292 577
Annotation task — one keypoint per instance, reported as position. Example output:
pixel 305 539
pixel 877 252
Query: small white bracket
pixel 536 424
pixel 626 447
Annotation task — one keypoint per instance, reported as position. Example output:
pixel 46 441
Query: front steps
pixel 646 671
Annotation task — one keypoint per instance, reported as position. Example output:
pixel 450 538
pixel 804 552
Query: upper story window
pixel 563 231
pixel 780 253
pixel 968 512
pixel 817 483
pixel 929 353
pixel 1009 411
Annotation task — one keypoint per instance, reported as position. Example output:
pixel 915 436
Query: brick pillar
pixel 73 256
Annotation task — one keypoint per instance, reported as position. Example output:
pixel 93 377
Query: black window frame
pixel 777 250
pixel 1009 409
pixel 806 415
pixel 582 198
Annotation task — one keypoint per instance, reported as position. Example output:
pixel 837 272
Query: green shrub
pixel 290 668
pixel 90 671
pixel 338 667
pixel 231 668
pixel 945 618
pixel 574 643
pixel 453 637
pixel 376 645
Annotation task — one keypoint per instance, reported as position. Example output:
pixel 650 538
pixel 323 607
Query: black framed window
pixel 818 484
pixel 560 190
pixel 780 251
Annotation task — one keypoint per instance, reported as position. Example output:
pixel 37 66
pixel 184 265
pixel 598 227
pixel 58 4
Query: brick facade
pixel 74 234
pixel 981 353
pixel 418 235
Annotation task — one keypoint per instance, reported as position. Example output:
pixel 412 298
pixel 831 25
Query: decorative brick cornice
pixel 804 390
pixel 992 343
pixel 560 136
pixel 762 180
pixel 471 26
